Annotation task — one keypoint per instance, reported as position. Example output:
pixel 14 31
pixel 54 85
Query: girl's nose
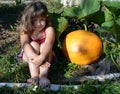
pixel 37 23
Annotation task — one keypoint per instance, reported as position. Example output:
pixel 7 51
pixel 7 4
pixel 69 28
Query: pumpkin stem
pixel 85 27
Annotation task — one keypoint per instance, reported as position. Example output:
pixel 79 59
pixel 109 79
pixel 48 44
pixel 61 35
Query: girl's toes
pixel 44 82
pixel 34 81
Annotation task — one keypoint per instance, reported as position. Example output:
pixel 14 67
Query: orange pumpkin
pixel 82 47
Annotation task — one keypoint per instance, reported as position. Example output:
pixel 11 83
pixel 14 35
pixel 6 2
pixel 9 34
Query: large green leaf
pixel 113 7
pixel 112 19
pixel 63 24
pixel 118 21
pixel 108 24
pixel 111 27
pixel 60 24
pixel 85 8
pixel 97 17
pixel 108 15
pixel 112 3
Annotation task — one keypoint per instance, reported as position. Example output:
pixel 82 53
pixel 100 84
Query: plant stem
pixel 85 27
pixel 111 56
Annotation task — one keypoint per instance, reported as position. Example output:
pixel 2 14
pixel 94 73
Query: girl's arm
pixel 50 38
pixel 48 44
pixel 28 50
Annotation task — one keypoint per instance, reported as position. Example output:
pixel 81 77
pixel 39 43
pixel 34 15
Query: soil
pixel 8 39
pixel 8 35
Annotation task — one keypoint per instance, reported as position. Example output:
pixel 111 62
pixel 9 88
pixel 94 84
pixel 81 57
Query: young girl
pixel 37 38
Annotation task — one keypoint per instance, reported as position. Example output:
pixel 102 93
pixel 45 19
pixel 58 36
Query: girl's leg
pixel 34 70
pixel 44 69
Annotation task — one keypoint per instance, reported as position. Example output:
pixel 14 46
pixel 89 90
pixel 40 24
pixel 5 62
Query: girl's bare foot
pixel 34 80
pixel 44 82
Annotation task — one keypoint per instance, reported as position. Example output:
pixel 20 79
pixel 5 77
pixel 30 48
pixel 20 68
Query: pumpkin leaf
pixel 113 7
pixel 85 8
pixel 111 27
pixel 112 3
pixel 118 21
pixel 97 17
pixel 112 18
pixel 63 24
pixel 108 24
pixel 108 15
pixel 60 24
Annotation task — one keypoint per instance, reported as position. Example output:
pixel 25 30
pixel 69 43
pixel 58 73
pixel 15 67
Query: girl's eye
pixel 40 20
pixel 43 19
pixel 34 20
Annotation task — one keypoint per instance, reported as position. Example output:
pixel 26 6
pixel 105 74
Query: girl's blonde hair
pixel 33 9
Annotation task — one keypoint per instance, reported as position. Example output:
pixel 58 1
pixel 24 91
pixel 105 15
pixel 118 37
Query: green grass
pixel 10 69
pixel 89 87
pixel 13 71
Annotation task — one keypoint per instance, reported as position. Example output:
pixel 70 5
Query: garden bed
pixel 62 73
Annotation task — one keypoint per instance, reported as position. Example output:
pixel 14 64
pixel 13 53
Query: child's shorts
pixel 20 56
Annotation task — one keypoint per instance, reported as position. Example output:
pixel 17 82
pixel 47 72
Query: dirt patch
pixel 8 39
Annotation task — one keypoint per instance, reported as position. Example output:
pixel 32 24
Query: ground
pixel 8 39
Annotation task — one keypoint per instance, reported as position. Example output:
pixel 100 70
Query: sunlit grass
pixel 11 70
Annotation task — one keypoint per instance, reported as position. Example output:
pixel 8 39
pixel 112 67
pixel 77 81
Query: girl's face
pixel 39 23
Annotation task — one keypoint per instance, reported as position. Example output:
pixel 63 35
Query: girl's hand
pixel 36 60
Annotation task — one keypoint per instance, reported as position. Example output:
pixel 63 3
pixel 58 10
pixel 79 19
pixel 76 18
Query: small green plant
pixel 21 90
pixel 109 87
pixel 70 69
pixel 73 70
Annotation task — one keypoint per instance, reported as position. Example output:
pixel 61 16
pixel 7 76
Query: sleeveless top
pixel 40 40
